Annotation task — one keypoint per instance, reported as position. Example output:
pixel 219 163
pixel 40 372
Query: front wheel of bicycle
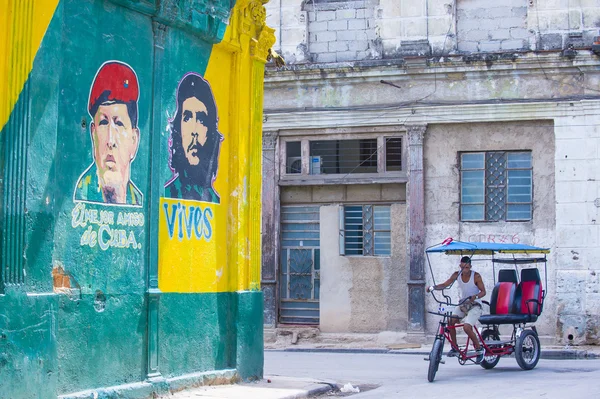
pixel 434 358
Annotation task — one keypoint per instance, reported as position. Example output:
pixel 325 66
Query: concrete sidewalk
pixel 270 387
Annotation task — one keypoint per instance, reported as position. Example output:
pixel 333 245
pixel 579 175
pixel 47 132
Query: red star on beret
pixel 116 78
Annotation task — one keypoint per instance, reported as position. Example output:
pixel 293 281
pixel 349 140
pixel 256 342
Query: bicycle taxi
pixel 517 299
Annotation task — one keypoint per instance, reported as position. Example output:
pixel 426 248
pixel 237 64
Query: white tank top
pixel 469 288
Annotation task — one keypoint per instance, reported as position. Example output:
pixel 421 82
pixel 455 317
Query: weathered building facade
pixel 402 123
pixel 130 195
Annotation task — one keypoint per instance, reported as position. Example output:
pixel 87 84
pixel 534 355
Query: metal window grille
pixel 496 186
pixel 366 230
pixel 344 156
pixel 393 154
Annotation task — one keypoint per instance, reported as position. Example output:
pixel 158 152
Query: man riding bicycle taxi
pixel 471 289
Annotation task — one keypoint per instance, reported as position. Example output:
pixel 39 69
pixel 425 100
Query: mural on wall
pixel 192 240
pixel 115 136
pixel 195 142
pixel 113 107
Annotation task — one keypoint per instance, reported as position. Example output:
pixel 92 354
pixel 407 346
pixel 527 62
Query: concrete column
pixel 270 227
pixel 416 228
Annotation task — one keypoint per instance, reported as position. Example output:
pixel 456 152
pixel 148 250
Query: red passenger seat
pixel 502 301
pixel 530 295
pixel 526 303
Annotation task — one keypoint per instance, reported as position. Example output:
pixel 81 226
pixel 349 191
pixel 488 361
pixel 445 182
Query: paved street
pixel 405 375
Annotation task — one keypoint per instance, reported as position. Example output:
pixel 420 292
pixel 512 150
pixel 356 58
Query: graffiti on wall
pixel 194 147
pixel 113 107
pixel 192 219
pixel 105 228
pixel 496 238
pixel 115 136
pixel 195 142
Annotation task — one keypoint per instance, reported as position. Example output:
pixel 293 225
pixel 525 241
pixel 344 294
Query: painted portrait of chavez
pixel 195 142
pixel 113 107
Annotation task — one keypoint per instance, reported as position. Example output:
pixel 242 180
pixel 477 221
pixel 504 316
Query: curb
pixel 569 354
pixel 561 354
pixel 158 386
pixel 319 389
pixel 332 350
pixel 324 388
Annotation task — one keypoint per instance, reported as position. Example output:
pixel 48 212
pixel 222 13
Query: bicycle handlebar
pixel 448 299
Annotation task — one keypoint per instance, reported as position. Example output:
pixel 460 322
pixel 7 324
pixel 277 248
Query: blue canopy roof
pixel 485 248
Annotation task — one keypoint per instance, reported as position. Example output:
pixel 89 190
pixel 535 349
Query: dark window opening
pixel 293 151
pixel 393 154
pixel 343 156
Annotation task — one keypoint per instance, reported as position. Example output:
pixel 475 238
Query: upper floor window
pixel 365 230
pixel 344 157
pixel 496 186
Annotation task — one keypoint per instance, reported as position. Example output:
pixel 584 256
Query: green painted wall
pixel 250 334
pixel 98 349
pixel 81 317
pixel 225 332
pixel 28 350
pixel 209 333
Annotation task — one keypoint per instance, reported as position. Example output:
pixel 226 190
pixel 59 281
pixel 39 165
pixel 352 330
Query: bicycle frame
pixel 444 334
pixel 501 348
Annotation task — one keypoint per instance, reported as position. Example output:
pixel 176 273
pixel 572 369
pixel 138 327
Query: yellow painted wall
pixel 22 27
pixel 230 260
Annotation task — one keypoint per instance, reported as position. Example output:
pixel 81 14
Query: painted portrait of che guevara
pixel 113 107
pixel 195 142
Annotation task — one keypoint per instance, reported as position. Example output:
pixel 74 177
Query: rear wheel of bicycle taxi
pixel 434 358
pixel 527 350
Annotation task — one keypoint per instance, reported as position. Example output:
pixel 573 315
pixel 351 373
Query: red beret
pixel 116 78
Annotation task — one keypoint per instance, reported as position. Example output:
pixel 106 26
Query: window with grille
pixel 393 154
pixel 343 156
pixel 365 230
pixel 496 186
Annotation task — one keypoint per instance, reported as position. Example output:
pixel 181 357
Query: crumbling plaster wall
pixel 577 229
pixel 363 294
pixel 503 79
pixel 442 143
pixel 356 30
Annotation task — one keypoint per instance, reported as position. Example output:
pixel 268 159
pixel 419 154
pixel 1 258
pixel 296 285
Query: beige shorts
pixel 469 313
